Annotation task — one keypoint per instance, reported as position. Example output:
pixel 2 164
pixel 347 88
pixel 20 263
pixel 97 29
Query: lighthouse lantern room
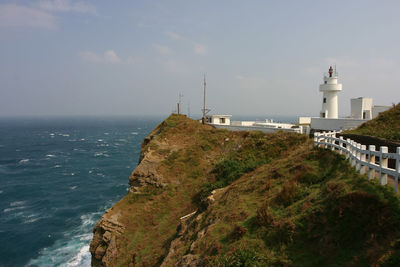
pixel 330 89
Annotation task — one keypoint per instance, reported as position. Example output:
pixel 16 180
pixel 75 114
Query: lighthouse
pixel 330 89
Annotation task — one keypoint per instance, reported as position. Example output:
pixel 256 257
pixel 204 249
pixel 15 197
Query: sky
pixel 127 57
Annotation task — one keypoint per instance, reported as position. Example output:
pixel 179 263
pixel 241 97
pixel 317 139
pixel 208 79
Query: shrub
pixel 288 193
pixel 242 257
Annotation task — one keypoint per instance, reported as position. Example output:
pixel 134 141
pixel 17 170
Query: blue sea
pixel 57 177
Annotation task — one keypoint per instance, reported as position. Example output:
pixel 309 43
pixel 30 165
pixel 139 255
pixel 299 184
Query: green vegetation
pixel 386 125
pixel 309 208
pixel 280 202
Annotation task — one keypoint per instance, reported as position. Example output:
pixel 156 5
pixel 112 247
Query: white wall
pixel 335 124
pixel 359 106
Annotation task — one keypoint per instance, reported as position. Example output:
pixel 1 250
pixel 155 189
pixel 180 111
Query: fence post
pixel 316 139
pixel 340 145
pixel 358 156
pixel 383 163
pixel 371 159
pixel 333 141
pixel 325 140
pixel 348 148
pixel 363 159
pixel 353 153
pixel 396 182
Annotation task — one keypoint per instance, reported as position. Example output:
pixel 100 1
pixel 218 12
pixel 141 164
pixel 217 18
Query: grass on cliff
pixel 386 125
pixel 308 209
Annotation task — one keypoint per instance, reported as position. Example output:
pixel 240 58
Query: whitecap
pixel 72 173
pixel 14 208
pixel 98 154
pixel 50 156
pixel 23 161
pixel 134 133
pixel 106 133
pixel 73 187
pixel 17 203
pixel 100 140
pixel 57 166
pixel 122 140
pixel 65 135
pixel 90 171
pixel 52 134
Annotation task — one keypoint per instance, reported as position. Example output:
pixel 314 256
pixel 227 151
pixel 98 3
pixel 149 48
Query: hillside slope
pixel 260 199
pixel 386 125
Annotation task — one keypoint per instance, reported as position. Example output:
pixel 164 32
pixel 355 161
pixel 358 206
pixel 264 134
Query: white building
pixel 219 119
pixel 362 109
pixel 330 89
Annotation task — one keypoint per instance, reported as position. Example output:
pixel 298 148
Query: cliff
pixel 209 197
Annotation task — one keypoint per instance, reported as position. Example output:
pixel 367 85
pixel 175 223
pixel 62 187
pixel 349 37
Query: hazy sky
pixel 66 57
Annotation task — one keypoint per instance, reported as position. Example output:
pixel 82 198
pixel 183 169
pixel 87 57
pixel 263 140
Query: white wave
pixel 90 171
pixel 106 133
pixel 72 173
pixel 57 166
pixel 65 135
pixel 50 156
pixel 52 134
pixel 23 161
pixel 122 140
pixel 73 249
pixel 100 140
pixel 82 139
pixel 73 187
pixel 14 208
pixel 17 203
pixel 134 133
pixel 102 153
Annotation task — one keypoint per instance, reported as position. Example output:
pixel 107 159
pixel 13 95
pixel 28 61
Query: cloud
pixel 175 36
pixel 200 49
pixel 108 57
pixel 12 15
pixel 165 50
pixel 111 56
pixel 66 6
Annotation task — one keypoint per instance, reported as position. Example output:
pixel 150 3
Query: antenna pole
pixel 204 101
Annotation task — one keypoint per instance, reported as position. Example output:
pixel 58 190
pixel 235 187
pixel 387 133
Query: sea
pixel 57 177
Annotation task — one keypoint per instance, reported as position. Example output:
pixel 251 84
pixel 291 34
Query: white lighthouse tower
pixel 330 89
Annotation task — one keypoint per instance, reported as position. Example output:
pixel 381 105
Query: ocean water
pixel 57 177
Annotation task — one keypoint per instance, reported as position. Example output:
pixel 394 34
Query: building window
pixel 364 115
pixel 326 82
pixel 222 120
pixel 324 100
pixel 323 115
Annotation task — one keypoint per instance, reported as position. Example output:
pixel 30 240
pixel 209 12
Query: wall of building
pixel 361 108
pixel 335 124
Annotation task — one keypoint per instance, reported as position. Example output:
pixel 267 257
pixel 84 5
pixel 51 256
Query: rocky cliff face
pixel 174 160
pixel 207 197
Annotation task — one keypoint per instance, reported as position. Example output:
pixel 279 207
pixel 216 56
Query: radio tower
pixel 205 111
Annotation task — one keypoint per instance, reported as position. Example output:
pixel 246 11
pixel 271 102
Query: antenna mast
pixel 204 101
pixel 180 103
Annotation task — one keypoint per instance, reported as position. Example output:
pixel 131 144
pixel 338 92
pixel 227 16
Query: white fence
pixel 366 161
